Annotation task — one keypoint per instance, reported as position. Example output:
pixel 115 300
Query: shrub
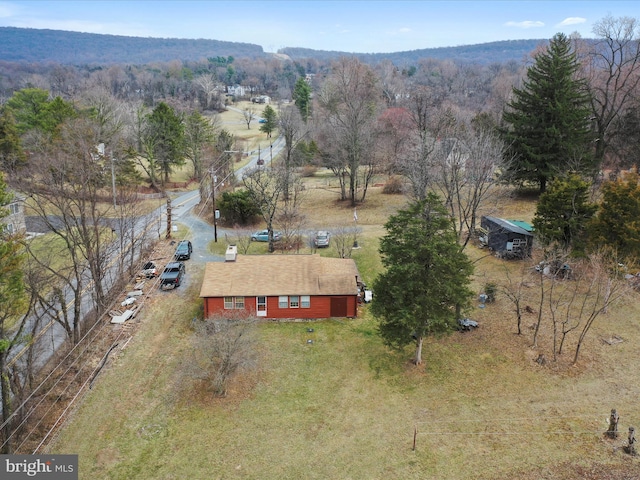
pixel 393 186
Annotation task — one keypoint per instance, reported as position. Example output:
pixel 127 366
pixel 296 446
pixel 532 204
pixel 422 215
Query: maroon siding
pixel 320 307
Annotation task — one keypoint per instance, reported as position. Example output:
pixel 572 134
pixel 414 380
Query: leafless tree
pixel 222 346
pixel 109 113
pixel 344 238
pixel 293 129
pixel 429 122
pixel 391 83
pixel 349 107
pixel 248 115
pixel 290 218
pixel 68 192
pixel 239 237
pixel 604 289
pixel 613 72
pixel 208 85
pixel 512 288
pixel 265 186
pixel 465 176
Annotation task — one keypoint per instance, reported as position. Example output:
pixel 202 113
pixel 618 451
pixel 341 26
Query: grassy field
pixel 346 407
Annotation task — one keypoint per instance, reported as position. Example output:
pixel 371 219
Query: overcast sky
pixel 360 26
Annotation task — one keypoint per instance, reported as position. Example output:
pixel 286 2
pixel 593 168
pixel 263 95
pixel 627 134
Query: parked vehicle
pixel 150 270
pixel 183 250
pixel 172 275
pixel 263 236
pixel 321 239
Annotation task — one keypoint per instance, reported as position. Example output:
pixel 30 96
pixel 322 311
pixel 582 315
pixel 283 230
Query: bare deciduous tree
pixel 248 115
pixel 344 239
pixel 429 122
pixel 513 290
pixel 349 103
pixel 68 190
pixel 613 72
pixel 465 176
pixel 241 238
pixel 222 346
pixel 604 289
pixel 293 129
pixel 265 186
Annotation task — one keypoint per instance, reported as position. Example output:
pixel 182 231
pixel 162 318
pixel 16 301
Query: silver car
pixel 322 239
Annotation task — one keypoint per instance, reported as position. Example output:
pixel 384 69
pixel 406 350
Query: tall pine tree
pixel 302 98
pixel 547 123
pixel 427 277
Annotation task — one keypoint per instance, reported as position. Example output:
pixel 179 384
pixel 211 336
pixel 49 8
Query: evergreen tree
pixel 548 120
pixel 617 223
pixel 563 213
pixel 165 135
pixel 11 154
pixel 199 133
pixel 302 98
pixel 271 121
pixel 33 110
pixel 427 276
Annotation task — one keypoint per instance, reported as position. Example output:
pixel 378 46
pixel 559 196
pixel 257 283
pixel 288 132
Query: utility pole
pixel 113 180
pixel 214 180
pixel 168 217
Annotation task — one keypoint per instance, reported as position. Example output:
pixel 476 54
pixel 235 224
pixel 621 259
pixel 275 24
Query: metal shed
pixel 508 238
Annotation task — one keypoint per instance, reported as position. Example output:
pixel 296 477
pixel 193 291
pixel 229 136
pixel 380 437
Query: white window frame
pixel 294 301
pixel 305 301
pixel 228 303
pixel 238 303
pixel 283 301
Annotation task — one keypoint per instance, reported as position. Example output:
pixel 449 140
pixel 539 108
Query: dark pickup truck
pixel 172 275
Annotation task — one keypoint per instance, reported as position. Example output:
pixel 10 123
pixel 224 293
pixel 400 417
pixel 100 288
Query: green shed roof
pixel 524 225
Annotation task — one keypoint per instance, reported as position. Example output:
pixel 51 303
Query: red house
pixel 282 286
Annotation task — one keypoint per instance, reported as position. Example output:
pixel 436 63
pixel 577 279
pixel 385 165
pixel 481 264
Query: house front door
pixel 261 306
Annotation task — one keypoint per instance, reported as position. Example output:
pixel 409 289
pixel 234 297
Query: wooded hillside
pixel 34 45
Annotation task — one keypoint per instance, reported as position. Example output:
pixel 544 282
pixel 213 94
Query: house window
pixel 305 301
pixel 239 303
pixel 283 301
pixel 14 208
pixel 9 228
pixel 228 303
pixel 294 301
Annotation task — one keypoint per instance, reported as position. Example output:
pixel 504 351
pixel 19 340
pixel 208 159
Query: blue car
pixel 263 236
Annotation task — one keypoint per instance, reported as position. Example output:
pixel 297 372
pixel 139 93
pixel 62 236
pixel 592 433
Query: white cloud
pixel 525 24
pixel 405 30
pixel 571 21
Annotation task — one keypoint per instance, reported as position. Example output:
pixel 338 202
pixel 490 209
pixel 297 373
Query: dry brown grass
pixel 346 407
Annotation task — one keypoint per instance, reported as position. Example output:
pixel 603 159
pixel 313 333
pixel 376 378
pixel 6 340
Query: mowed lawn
pixel 343 406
